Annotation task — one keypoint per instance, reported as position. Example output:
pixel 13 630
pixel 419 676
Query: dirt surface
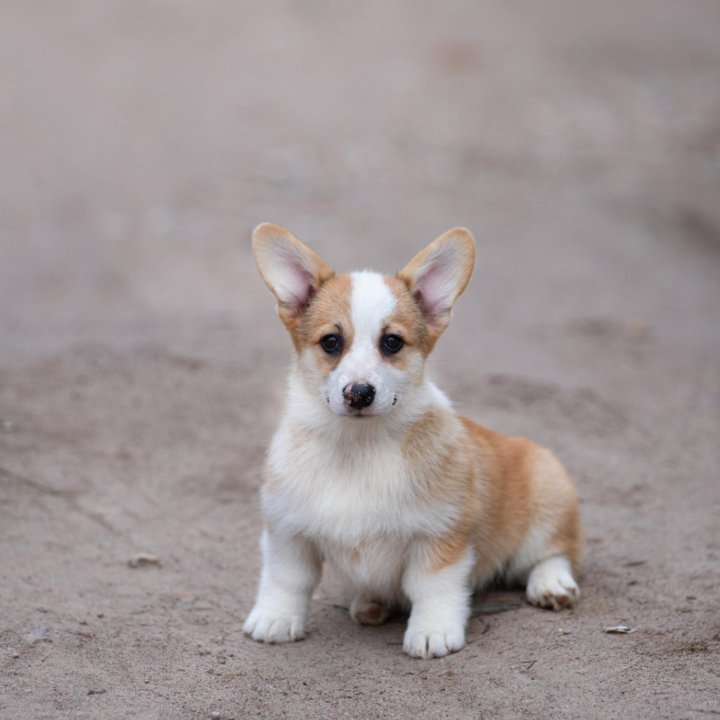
pixel 142 366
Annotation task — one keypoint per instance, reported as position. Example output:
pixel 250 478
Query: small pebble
pixel 8 426
pixel 214 714
pixel 143 560
pixel 619 630
pixel 16 656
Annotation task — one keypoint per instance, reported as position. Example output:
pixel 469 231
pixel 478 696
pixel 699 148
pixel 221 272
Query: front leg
pixel 440 598
pixel 290 572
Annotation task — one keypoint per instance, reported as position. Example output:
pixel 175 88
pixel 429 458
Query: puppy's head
pixel 362 338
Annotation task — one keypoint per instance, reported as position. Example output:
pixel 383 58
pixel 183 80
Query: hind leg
pixel 551 584
pixel 549 555
pixel 365 610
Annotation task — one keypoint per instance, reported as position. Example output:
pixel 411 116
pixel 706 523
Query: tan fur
pixel 328 313
pixel 502 487
pixel 406 321
pixel 435 451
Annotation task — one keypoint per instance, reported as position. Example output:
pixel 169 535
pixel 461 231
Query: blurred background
pixel 142 366
pixel 141 142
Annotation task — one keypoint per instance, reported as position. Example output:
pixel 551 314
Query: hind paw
pixel 551 585
pixel 366 611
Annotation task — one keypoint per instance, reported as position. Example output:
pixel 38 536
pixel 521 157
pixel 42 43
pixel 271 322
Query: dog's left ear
pixel 292 271
pixel 437 276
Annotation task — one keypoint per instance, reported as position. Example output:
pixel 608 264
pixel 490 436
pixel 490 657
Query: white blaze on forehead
pixel 371 303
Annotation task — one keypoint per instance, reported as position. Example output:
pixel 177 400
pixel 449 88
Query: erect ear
pixel 291 270
pixel 438 274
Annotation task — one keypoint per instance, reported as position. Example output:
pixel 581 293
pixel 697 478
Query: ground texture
pixel 142 366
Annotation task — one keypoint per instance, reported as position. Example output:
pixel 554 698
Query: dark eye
pixel 390 344
pixel 331 344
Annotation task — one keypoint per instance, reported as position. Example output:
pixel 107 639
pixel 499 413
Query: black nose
pixel 359 395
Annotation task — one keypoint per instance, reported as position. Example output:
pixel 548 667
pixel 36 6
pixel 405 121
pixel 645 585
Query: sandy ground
pixel 142 366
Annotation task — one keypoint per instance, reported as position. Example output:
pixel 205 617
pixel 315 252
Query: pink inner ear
pixel 420 300
pixel 432 286
pixel 298 280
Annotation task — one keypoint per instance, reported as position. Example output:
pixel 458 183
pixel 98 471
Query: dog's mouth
pixel 360 413
pixel 364 413
pixel 368 412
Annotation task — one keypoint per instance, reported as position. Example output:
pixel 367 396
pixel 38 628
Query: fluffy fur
pixel 414 505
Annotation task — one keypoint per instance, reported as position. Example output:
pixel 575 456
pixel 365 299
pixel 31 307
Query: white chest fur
pixel 355 498
pixel 347 492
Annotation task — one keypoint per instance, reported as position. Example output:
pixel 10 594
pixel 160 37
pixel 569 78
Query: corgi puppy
pixel 372 470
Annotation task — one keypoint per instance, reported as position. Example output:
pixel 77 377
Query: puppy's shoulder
pixel 507 460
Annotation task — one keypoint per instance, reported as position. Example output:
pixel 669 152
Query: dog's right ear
pixel 292 271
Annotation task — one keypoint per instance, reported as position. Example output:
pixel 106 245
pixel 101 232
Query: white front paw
pixel 427 642
pixel 273 627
